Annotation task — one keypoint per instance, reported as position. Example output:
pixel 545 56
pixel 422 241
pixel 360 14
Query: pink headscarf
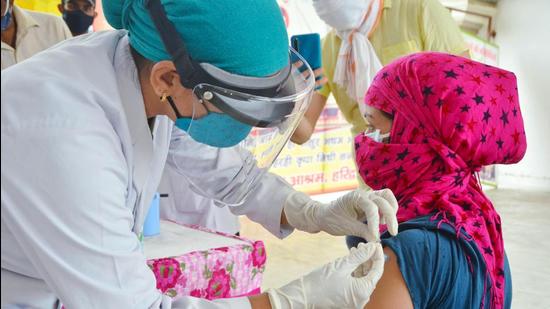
pixel 451 117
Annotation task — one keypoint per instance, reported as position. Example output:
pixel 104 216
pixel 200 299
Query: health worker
pixel 88 126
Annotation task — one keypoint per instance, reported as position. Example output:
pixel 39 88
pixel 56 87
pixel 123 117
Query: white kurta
pixel 181 204
pixel 184 205
pixel 79 168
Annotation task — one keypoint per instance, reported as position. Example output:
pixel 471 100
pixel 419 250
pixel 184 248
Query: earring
pixel 163 97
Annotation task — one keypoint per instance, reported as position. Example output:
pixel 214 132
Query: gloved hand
pixel 346 215
pixel 333 285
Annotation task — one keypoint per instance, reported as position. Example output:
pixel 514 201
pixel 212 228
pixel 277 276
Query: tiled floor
pixel 526 224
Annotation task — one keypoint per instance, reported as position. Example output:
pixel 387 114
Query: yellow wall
pixel 46 6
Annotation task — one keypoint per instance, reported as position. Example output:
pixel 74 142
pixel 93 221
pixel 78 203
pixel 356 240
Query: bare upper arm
pixel 391 291
pixel 306 127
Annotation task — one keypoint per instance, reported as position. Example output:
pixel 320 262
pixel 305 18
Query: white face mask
pixel 377 137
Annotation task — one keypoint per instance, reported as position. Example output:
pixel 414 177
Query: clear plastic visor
pixel 228 175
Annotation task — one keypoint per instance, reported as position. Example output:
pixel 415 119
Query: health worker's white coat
pixel 180 203
pixel 79 168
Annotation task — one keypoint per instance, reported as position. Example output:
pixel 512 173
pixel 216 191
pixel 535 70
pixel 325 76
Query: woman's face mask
pixel 376 136
pixel 213 129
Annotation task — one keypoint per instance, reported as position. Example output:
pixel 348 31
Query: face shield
pixel 227 109
pixel 228 173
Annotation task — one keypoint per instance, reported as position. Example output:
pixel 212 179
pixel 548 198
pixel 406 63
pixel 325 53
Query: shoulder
pixel 411 7
pixel 430 5
pixel 45 18
pixel 57 98
pixel 55 25
pixel 331 39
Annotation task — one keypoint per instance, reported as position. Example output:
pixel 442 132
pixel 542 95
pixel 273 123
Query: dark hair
pixel 388 115
pixel 141 62
pixel 65 1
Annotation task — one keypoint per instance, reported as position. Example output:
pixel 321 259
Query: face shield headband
pixel 256 101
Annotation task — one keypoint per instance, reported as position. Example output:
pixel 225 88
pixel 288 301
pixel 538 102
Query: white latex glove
pixel 333 285
pixel 346 215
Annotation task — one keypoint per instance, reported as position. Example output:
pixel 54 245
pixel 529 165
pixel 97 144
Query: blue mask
pixel 214 129
pixel 6 19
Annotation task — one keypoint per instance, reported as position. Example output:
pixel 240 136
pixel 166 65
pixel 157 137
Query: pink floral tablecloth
pixel 214 273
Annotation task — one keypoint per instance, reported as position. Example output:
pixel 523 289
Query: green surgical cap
pixel 246 37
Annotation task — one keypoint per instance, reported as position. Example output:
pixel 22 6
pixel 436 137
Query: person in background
pixel 366 35
pixel 78 14
pixel 25 33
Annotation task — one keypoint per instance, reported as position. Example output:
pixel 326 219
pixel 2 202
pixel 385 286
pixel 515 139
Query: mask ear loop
pixel 168 98
pixel 165 98
pixel 192 117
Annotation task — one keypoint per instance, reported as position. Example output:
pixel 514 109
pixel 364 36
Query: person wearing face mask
pixel 78 14
pixel 83 151
pixel 180 202
pixel 366 35
pixel 25 33
pixel 446 117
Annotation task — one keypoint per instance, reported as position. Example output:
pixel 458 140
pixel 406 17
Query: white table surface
pixel 176 240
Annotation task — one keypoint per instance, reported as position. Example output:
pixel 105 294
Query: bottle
pixel 151 226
